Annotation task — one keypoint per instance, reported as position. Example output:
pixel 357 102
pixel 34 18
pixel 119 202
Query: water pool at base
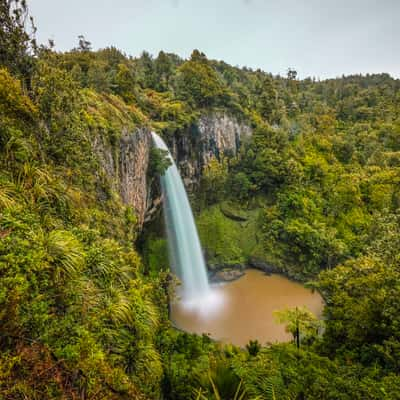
pixel 246 311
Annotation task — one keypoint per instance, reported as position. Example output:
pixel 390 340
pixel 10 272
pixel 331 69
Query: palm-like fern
pixel 269 387
pixel 118 306
pixel 65 253
pixel 7 195
pixel 240 393
pixel 16 148
pixel 42 188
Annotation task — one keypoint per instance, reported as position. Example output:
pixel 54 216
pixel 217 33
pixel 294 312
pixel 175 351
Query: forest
pixel 84 287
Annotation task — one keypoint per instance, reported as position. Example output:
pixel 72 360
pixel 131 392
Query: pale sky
pixel 321 38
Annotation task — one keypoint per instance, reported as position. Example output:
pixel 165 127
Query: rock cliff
pixel 125 164
pixel 212 135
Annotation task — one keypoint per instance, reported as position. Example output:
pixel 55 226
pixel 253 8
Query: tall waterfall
pixel 185 251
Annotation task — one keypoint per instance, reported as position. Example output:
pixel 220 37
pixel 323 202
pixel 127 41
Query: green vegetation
pixel 300 322
pixel 230 234
pixel 315 192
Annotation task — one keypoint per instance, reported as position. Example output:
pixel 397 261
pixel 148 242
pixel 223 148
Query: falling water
pixel 185 250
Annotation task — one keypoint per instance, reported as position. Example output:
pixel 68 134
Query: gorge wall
pixel 212 135
pixel 125 162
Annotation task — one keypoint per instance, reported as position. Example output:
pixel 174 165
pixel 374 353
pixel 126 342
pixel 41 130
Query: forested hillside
pixel 314 192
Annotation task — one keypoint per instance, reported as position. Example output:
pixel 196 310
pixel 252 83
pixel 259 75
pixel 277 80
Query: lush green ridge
pixel 315 193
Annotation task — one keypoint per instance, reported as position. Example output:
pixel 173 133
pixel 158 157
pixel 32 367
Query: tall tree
pixel 299 321
pixel 16 43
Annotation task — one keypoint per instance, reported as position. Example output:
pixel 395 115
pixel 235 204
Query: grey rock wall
pixel 213 135
pixel 125 164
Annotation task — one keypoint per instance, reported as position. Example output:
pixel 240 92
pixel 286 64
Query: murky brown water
pixel 247 311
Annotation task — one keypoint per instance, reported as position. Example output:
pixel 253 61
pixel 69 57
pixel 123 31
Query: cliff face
pixel 214 134
pixel 125 164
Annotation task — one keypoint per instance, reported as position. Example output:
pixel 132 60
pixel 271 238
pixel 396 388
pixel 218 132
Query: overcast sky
pixel 321 38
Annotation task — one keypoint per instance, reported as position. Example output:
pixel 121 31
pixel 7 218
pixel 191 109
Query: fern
pixel 65 253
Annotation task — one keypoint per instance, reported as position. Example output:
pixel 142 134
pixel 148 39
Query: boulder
pixel 227 275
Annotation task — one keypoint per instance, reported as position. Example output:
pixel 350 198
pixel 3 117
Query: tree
pixel 163 68
pixel 125 81
pixel 267 100
pixel 98 78
pixel 265 159
pixel 159 162
pixel 214 179
pixel 291 74
pixel 241 186
pixel 146 71
pixel 300 322
pixel 83 44
pixel 199 83
pixel 16 44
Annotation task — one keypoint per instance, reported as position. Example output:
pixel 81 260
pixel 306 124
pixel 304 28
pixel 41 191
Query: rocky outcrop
pixel 134 160
pixel 125 164
pixel 263 266
pixel 227 275
pixel 221 133
pixel 225 272
pixel 214 134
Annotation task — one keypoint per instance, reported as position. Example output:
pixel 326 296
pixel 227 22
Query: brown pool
pixel 247 309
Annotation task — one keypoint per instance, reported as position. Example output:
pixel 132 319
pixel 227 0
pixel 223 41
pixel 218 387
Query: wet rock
pixel 225 273
pixel 228 275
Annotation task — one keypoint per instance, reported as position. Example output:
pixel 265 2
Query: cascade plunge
pixel 185 251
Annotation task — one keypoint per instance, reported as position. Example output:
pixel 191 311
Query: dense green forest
pixel 84 307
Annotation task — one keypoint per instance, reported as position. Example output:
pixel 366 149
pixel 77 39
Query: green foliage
pixel 125 83
pixel 199 84
pixel 229 234
pixel 300 322
pixel 214 180
pixel 73 300
pixel 65 253
pixel 238 395
pixel 267 101
pixel 314 192
pixel 365 324
pixel 186 361
pixel 14 104
pixel 156 255
pixel 60 104
pixel 284 372
pixel 253 347
pixel 220 237
pixel 241 186
pixel 159 162
pixel 16 43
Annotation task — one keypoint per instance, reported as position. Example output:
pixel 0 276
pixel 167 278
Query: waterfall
pixel 186 256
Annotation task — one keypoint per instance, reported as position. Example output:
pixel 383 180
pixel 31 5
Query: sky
pixel 318 38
